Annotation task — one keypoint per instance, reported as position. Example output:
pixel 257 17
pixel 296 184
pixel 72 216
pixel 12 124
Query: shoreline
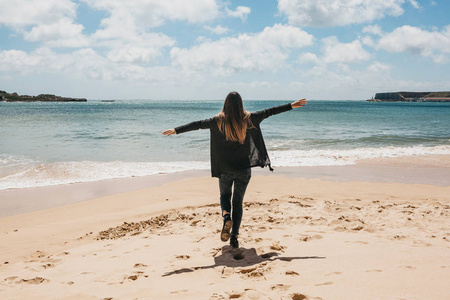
pixel 429 170
pixel 25 200
pixel 308 237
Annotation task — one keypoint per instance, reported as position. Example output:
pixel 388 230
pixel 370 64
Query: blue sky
pixel 202 49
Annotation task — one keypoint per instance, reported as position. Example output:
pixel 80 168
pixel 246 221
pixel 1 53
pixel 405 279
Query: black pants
pixel 240 179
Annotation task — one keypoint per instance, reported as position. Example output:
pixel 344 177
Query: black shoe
pixel 226 229
pixel 234 241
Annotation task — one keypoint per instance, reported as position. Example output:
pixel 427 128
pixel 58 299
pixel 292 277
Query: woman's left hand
pixel 299 103
pixel 169 132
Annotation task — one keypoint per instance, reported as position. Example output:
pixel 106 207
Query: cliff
pixel 14 97
pixel 412 97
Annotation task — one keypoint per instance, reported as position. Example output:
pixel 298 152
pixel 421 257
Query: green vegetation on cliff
pixel 439 94
pixel 14 97
pixel 412 97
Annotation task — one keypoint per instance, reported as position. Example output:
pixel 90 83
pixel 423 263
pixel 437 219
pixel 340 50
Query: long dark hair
pixel 233 120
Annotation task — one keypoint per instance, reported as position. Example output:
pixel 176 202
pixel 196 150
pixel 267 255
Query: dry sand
pixel 300 239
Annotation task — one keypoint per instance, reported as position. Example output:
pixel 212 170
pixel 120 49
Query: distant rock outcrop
pixel 14 97
pixel 412 97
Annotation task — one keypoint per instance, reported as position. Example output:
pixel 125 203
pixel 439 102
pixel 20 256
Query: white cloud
pixel 373 29
pixel 241 12
pixel 127 30
pixel 52 21
pixel 131 54
pixel 201 39
pixel 378 67
pixel 20 13
pixel 154 13
pixel 341 82
pixel 326 13
pixel 285 36
pixel 137 48
pixel 63 33
pixel 336 52
pixel 308 57
pixel 120 25
pixel 132 46
pixel 260 52
pixel 414 40
pixel 368 41
pixel 83 64
pixel 414 4
pixel 20 61
pixel 86 66
pixel 217 30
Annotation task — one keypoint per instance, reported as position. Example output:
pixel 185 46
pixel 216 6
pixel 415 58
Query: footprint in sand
pixel 297 296
pixel 319 221
pixel 292 273
pixel 133 277
pixel 87 273
pixel 178 292
pixel 257 228
pixel 213 252
pixel 246 294
pixel 333 273
pixel 280 287
pixel 258 271
pixel 35 280
pixel 408 267
pixel 307 238
pixel 47 266
pixel 357 242
pixel 277 247
pixel 325 283
pixel 235 295
pixel 358 228
pixel 140 265
pixel 11 278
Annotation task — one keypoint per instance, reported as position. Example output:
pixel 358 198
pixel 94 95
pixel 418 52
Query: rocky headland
pixel 411 97
pixel 14 97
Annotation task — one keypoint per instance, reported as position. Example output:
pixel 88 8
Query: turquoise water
pixel 53 143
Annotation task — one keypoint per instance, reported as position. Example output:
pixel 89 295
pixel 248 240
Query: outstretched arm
pixel 204 124
pixel 258 116
pixel 299 103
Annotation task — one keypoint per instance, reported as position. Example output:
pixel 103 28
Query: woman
pixel 236 146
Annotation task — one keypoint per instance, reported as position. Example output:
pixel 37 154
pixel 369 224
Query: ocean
pixel 45 143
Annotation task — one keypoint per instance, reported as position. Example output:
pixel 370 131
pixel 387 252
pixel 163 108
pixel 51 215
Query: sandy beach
pixel 385 235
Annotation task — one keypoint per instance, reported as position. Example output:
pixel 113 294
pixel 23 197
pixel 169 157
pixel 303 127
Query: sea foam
pixel 337 157
pixel 45 174
pixel 36 175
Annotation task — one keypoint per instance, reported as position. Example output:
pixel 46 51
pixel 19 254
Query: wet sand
pixel 433 170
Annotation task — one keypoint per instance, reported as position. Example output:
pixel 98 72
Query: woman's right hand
pixel 299 103
pixel 169 132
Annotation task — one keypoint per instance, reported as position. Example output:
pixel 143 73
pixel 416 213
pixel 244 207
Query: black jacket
pixel 229 156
